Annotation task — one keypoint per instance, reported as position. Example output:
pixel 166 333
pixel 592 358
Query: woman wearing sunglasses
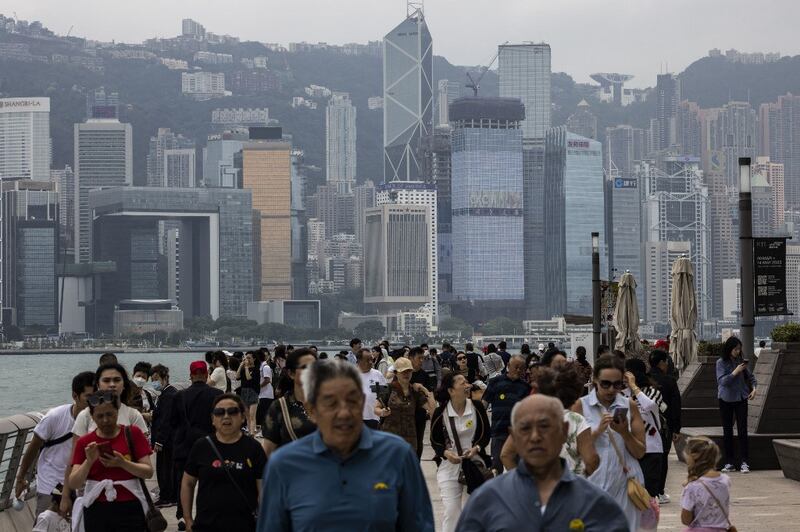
pixel 228 467
pixel 618 434
pixel 108 463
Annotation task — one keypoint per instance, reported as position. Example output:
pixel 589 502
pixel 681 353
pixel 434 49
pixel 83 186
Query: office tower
pixel 25 138
pixel 30 251
pixel 677 207
pixel 219 170
pixel 340 140
pixel 574 188
pixel 336 209
pixel 298 225
pixel 733 133
pixel 266 165
pixel 417 193
pixel 533 201
pixel 659 257
pixel 447 92
pixel 524 72
pixel 582 122
pixel 625 229
pixel 439 164
pixel 624 145
pixel 171 160
pixel 773 173
pixel 725 242
pixel 780 129
pixel 103 158
pixel 102 104
pixel 688 131
pixel 363 199
pixel 668 94
pixel 763 199
pixel 65 183
pixel 487 202
pixel 407 97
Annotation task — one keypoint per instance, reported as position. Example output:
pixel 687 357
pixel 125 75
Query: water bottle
pixel 19 504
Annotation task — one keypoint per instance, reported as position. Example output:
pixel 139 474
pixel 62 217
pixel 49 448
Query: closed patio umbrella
pixel 626 316
pixel 683 314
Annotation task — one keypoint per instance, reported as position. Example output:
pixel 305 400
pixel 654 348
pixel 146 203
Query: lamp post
pixel 747 322
pixel 596 290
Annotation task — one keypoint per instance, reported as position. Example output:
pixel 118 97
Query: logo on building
pixel 577 144
pixel 495 199
pixel 622 182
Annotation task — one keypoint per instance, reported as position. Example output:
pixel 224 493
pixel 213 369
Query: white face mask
pixel 140 382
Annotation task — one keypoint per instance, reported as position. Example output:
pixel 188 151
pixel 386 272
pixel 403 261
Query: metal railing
pixel 15 435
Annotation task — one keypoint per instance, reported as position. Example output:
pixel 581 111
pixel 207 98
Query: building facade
pixel 340 142
pixel 165 171
pixel 524 72
pixel 25 146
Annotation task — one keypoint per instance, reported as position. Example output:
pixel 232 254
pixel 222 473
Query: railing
pixel 15 434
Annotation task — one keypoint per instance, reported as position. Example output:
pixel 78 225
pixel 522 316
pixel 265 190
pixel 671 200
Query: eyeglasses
pixel 618 385
pixel 101 397
pixel 461 358
pixel 231 411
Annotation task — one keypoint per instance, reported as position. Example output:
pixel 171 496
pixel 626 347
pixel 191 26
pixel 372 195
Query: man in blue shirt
pixel 541 494
pixel 502 393
pixel 344 476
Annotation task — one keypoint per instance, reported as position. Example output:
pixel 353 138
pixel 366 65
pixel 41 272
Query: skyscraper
pixel 65 183
pixel 624 146
pixel 363 199
pixel 407 97
pixel 447 92
pixel 25 138
pixel 773 172
pixel 163 171
pixel 340 139
pixel 103 158
pixel 668 94
pixel 725 242
pixel 582 122
pixel 687 126
pixel 659 257
pixel 734 135
pixel 524 72
pixel 780 129
pixel 219 170
pixel 440 170
pixel 102 104
pixel 487 202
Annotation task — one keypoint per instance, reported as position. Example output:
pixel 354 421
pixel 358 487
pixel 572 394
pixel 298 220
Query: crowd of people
pixel 295 439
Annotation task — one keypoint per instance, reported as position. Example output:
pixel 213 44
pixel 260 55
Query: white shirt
pixel 465 425
pixel 128 416
pixel 52 461
pixel 218 379
pixel 50 521
pixel 368 380
pixel 267 391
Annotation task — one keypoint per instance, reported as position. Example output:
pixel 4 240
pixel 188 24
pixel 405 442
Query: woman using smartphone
pixel 735 386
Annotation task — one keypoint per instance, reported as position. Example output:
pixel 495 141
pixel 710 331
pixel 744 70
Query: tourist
pixel 554 359
pixel 761 346
pixel 51 444
pixel 109 460
pixel 602 350
pixel 234 362
pixel 227 466
pixel 618 434
pixel 584 368
pixel 50 520
pixel 502 393
pixel 541 493
pixel 659 372
pixel 472 430
pixel 493 362
pixel 344 476
pixel 447 356
pixel 191 421
pixel 219 368
pixel 162 436
pixel 505 355
pixel 373 380
pixel 142 399
pixel 645 392
pixel 266 392
pixel 705 503
pixel 398 411
pixel 287 419
pixel 107 358
pixel 432 368
pixel 475 361
pixel 355 346
pixel 736 385
pixel 421 377
pixel 250 378
pixel 380 361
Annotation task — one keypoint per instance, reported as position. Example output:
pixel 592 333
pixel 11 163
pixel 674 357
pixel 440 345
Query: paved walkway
pixel 761 500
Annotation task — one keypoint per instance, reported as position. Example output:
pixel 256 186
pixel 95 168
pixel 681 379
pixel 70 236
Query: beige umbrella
pixel 626 316
pixel 683 314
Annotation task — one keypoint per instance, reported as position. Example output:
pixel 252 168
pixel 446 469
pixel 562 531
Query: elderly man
pixel 503 392
pixel 541 493
pixel 345 476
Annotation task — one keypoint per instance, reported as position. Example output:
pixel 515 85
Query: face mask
pixel 140 382
pixel 156 385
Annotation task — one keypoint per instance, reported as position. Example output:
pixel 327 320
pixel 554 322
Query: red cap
pixel 198 366
pixel 661 344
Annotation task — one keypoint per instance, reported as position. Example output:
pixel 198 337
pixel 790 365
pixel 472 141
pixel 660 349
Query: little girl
pixel 706 499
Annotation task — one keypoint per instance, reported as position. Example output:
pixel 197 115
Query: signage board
pixel 769 273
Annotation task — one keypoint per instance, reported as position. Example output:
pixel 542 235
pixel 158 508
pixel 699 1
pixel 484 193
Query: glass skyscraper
pixel 407 98
pixel 574 188
pixel 487 199
pixel 524 71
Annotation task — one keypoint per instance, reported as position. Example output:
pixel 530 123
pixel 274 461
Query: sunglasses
pixel 461 358
pixel 231 411
pixel 617 385
pixel 98 398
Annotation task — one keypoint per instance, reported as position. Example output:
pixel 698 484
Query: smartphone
pixel 620 414
pixel 105 449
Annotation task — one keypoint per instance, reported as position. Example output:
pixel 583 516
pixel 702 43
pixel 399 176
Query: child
pixel 50 520
pixel 706 498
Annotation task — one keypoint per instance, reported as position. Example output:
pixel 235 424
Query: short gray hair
pixel 517 357
pixel 555 405
pixel 324 370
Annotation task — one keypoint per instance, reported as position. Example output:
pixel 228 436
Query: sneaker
pixel 163 504
pixel 181 526
pixel 745 468
pixel 663 499
pixel 729 468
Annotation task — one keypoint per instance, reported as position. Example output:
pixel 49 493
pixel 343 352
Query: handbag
pixel 731 528
pixel 636 492
pixel 287 420
pixel 253 511
pixel 472 473
pixel 154 521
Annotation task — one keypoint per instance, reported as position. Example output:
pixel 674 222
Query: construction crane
pixel 475 84
pixel 70 31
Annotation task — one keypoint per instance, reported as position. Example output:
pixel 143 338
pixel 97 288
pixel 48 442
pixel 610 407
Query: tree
pixel 370 330
pixel 455 324
pixel 501 325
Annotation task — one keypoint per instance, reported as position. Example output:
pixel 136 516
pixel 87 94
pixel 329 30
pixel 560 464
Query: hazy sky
pixel 637 37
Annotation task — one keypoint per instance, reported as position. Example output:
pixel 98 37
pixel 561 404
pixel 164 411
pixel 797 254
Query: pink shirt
pixel 697 499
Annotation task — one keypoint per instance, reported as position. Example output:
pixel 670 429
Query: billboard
pixel 769 272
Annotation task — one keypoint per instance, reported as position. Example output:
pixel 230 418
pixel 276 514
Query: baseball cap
pixel 198 366
pixel 402 364
pixel 541 347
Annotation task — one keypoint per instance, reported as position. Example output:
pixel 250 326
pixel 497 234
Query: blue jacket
pixel 732 389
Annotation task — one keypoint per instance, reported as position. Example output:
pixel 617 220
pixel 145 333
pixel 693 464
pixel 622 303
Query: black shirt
pixel 219 504
pixel 274 428
pixel 191 416
pixel 502 394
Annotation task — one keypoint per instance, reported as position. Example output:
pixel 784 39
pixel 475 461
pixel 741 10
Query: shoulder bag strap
pixel 56 441
pixel 129 439
pixel 456 439
pixel 621 457
pixel 719 504
pixel 227 471
pixel 287 421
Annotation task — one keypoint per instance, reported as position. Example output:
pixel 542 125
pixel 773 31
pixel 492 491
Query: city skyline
pixel 620 32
